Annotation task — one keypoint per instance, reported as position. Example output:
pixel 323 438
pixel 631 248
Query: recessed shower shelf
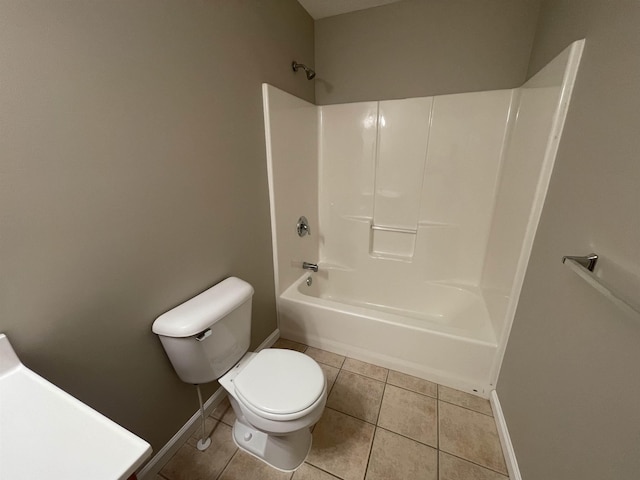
pixel 624 304
pixel 384 228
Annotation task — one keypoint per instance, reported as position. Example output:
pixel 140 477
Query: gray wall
pixel 423 47
pixel 569 385
pixel 133 176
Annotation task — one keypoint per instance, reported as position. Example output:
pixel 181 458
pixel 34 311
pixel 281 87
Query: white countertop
pixel 47 433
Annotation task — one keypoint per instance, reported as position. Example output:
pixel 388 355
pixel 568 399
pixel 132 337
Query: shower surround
pixel 422 215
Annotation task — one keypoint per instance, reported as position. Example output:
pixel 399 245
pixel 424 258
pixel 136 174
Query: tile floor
pixel 378 425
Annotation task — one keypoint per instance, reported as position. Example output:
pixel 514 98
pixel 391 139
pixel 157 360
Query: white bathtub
pixel 443 333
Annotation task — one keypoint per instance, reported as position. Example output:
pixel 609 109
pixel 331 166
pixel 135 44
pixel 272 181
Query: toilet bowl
pixel 276 394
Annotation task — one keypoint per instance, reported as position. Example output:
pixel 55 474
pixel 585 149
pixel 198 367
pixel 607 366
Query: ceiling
pixel 327 8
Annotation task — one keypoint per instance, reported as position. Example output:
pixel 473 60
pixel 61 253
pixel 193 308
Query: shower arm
pixel 310 72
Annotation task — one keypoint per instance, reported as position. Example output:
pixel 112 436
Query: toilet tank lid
pixel 203 310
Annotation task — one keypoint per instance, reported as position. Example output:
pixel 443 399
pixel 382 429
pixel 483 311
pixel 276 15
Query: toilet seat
pixel 280 385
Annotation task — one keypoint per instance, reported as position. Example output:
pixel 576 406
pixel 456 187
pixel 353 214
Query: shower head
pixel 310 73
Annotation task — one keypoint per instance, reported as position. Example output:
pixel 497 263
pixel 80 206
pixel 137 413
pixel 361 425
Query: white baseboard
pixel 505 439
pixel 153 466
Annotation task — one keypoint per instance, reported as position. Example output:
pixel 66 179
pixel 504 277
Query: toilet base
pixel 285 452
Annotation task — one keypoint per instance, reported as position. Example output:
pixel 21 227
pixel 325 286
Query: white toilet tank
pixel 207 335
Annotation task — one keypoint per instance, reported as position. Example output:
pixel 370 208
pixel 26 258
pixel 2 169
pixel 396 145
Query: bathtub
pixel 441 333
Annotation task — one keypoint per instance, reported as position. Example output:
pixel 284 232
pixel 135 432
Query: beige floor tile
pixel 331 373
pixel 454 468
pixel 191 464
pixel 409 414
pixel 366 369
pixel 322 356
pixel 247 467
pixel 341 445
pixel 356 395
pixel 224 412
pixel 470 435
pixel 289 345
pixel 394 456
pixel 309 472
pixel 464 399
pixel 414 384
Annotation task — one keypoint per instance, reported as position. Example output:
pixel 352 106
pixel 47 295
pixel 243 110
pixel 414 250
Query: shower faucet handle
pixel 302 227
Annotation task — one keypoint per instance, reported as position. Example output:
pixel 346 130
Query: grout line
pixel 352 416
pixel 466 408
pixel 344 357
pixel 360 375
pixel 438 434
pixel 366 468
pixel 226 465
pixel 365 376
pixel 412 391
pixel 328 364
pixel 333 385
pixel 378 426
pixel 474 463
pixel 386 375
pixel 322 470
pixel 438 424
pixel 220 420
pixel 408 438
pixel 437 397
pixel 381 402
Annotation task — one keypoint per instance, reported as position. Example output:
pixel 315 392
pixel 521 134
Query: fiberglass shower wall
pixel 407 188
pixel 291 134
pixel 400 194
pixel 540 109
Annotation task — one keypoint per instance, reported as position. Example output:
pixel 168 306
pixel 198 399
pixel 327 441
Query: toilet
pixel 277 395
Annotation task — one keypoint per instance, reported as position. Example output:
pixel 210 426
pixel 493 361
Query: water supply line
pixel 205 441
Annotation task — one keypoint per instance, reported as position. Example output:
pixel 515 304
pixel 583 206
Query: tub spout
pixel 310 266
